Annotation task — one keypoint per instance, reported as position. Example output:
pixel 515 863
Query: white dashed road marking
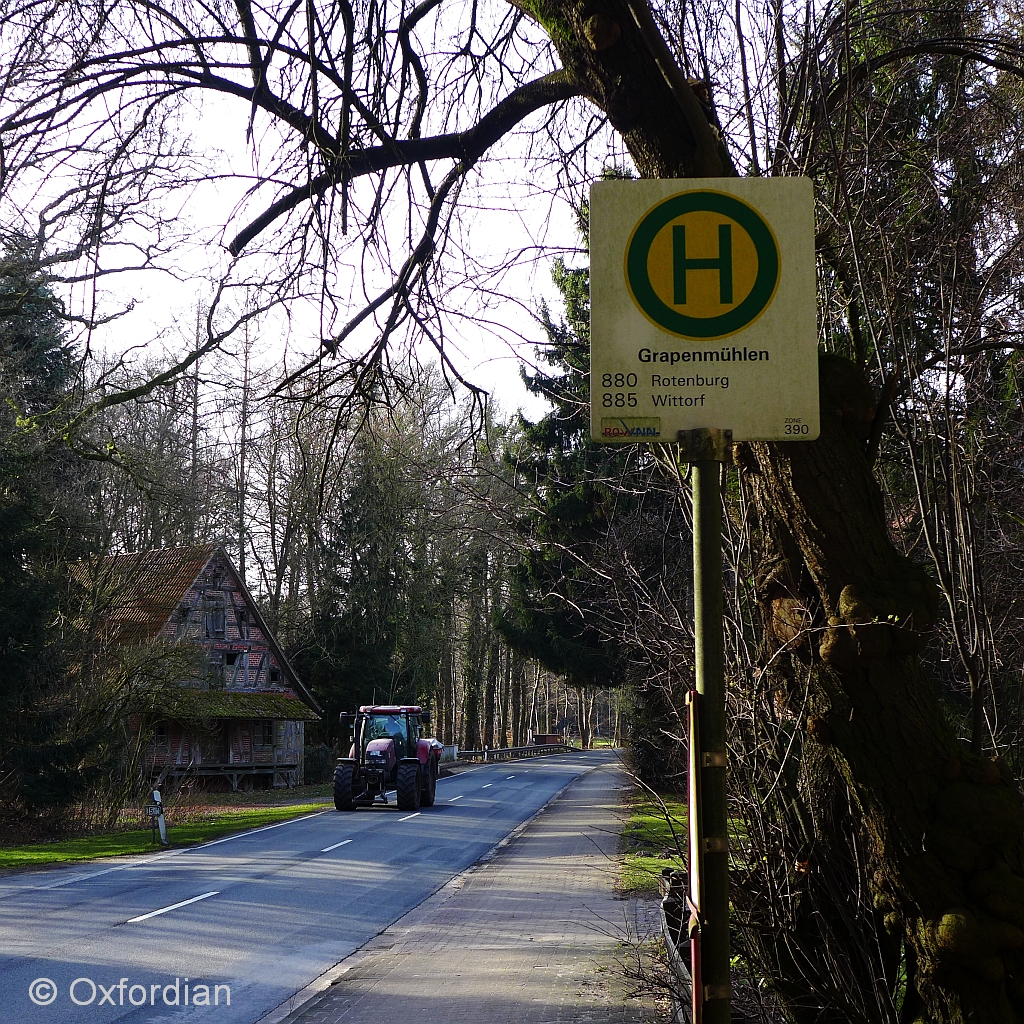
pixel 173 906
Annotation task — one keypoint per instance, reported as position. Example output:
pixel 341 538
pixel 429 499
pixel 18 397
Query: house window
pixel 160 736
pixel 214 616
pixel 275 675
pixel 215 672
pixel 181 626
pixel 266 734
pixel 243 624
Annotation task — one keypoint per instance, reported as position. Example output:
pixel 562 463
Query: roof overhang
pixel 188 705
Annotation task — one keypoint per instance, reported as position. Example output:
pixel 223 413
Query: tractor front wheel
pixel 343 788
pixel 408 785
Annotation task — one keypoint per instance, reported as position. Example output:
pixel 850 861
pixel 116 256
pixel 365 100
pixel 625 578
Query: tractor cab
pixel 387 750
pixel 402 729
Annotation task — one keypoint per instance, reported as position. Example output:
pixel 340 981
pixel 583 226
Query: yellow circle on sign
pixel 692 262
pixel 703 242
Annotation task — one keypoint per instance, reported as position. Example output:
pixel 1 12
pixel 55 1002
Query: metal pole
pixel 705 449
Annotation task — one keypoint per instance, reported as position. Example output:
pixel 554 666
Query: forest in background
pixel 416 548
pixel 386 546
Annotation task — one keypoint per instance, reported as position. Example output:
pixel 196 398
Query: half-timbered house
pixel 238 721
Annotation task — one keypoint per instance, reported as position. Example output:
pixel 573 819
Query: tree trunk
pixel 471 716
pixel 243 441
pixel 441 698
pixel 945 825
pixel 585 714
pixel 531 722
pixel 547 706
pixel 438 709
pixel 505 703
pixel 447 723
pixel 518 709
pixel 491 689
pixel 476 649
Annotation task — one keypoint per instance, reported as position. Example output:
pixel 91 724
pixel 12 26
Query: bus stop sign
pixel 702 296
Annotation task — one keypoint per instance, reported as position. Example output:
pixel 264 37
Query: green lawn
pixel 652 840
pixel 116 844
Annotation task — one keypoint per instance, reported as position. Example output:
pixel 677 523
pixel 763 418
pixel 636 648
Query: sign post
pixel 708 821
pixel 155 810
pixel 704 332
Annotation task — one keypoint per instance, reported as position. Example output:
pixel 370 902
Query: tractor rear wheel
pixel 343 788
pixel 429 784
pixel 408 785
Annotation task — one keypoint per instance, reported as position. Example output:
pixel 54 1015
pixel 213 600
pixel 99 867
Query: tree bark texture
pixel 505 703
pixel 491 690
pixel 945 825
pixel 518 699
pixel 585 713
pixel 476 650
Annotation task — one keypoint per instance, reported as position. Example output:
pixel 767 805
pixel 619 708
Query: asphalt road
pixel 261 914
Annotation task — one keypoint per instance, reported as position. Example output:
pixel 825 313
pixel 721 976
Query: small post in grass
pixel 155 810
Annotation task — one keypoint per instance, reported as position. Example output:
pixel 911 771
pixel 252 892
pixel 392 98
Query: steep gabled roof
pixel 143 590
pixel 268 633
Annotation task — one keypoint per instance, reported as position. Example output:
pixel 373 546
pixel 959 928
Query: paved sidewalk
pixel 529 937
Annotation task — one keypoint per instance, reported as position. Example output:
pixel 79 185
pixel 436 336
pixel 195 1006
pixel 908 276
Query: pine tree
pixel 49 755
pixel 567 479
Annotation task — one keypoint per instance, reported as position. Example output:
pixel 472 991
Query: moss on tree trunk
pixel 945 826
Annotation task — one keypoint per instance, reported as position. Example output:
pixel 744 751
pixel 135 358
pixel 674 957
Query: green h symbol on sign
pixel 722 263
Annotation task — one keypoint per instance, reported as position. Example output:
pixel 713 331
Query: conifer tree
pixel 567 478
pixel 49 755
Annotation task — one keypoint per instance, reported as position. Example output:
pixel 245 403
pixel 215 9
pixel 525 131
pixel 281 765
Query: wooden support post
pixel 706 450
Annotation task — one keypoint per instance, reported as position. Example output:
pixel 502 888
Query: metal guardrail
pixel 513 753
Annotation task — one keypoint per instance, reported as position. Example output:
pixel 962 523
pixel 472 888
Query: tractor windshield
pixel 386 727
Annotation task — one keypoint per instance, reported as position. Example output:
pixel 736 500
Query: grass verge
pixel 263 797
pixel 117 844
pixel 649 841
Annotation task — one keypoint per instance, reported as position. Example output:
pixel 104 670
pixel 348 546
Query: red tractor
pixel 388 751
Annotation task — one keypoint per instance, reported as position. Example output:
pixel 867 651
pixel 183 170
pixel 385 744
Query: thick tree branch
pixel 467 147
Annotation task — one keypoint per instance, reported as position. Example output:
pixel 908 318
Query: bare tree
pixel 355 110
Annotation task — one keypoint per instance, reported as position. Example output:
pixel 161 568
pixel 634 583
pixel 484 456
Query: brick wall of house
pixel 214 613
